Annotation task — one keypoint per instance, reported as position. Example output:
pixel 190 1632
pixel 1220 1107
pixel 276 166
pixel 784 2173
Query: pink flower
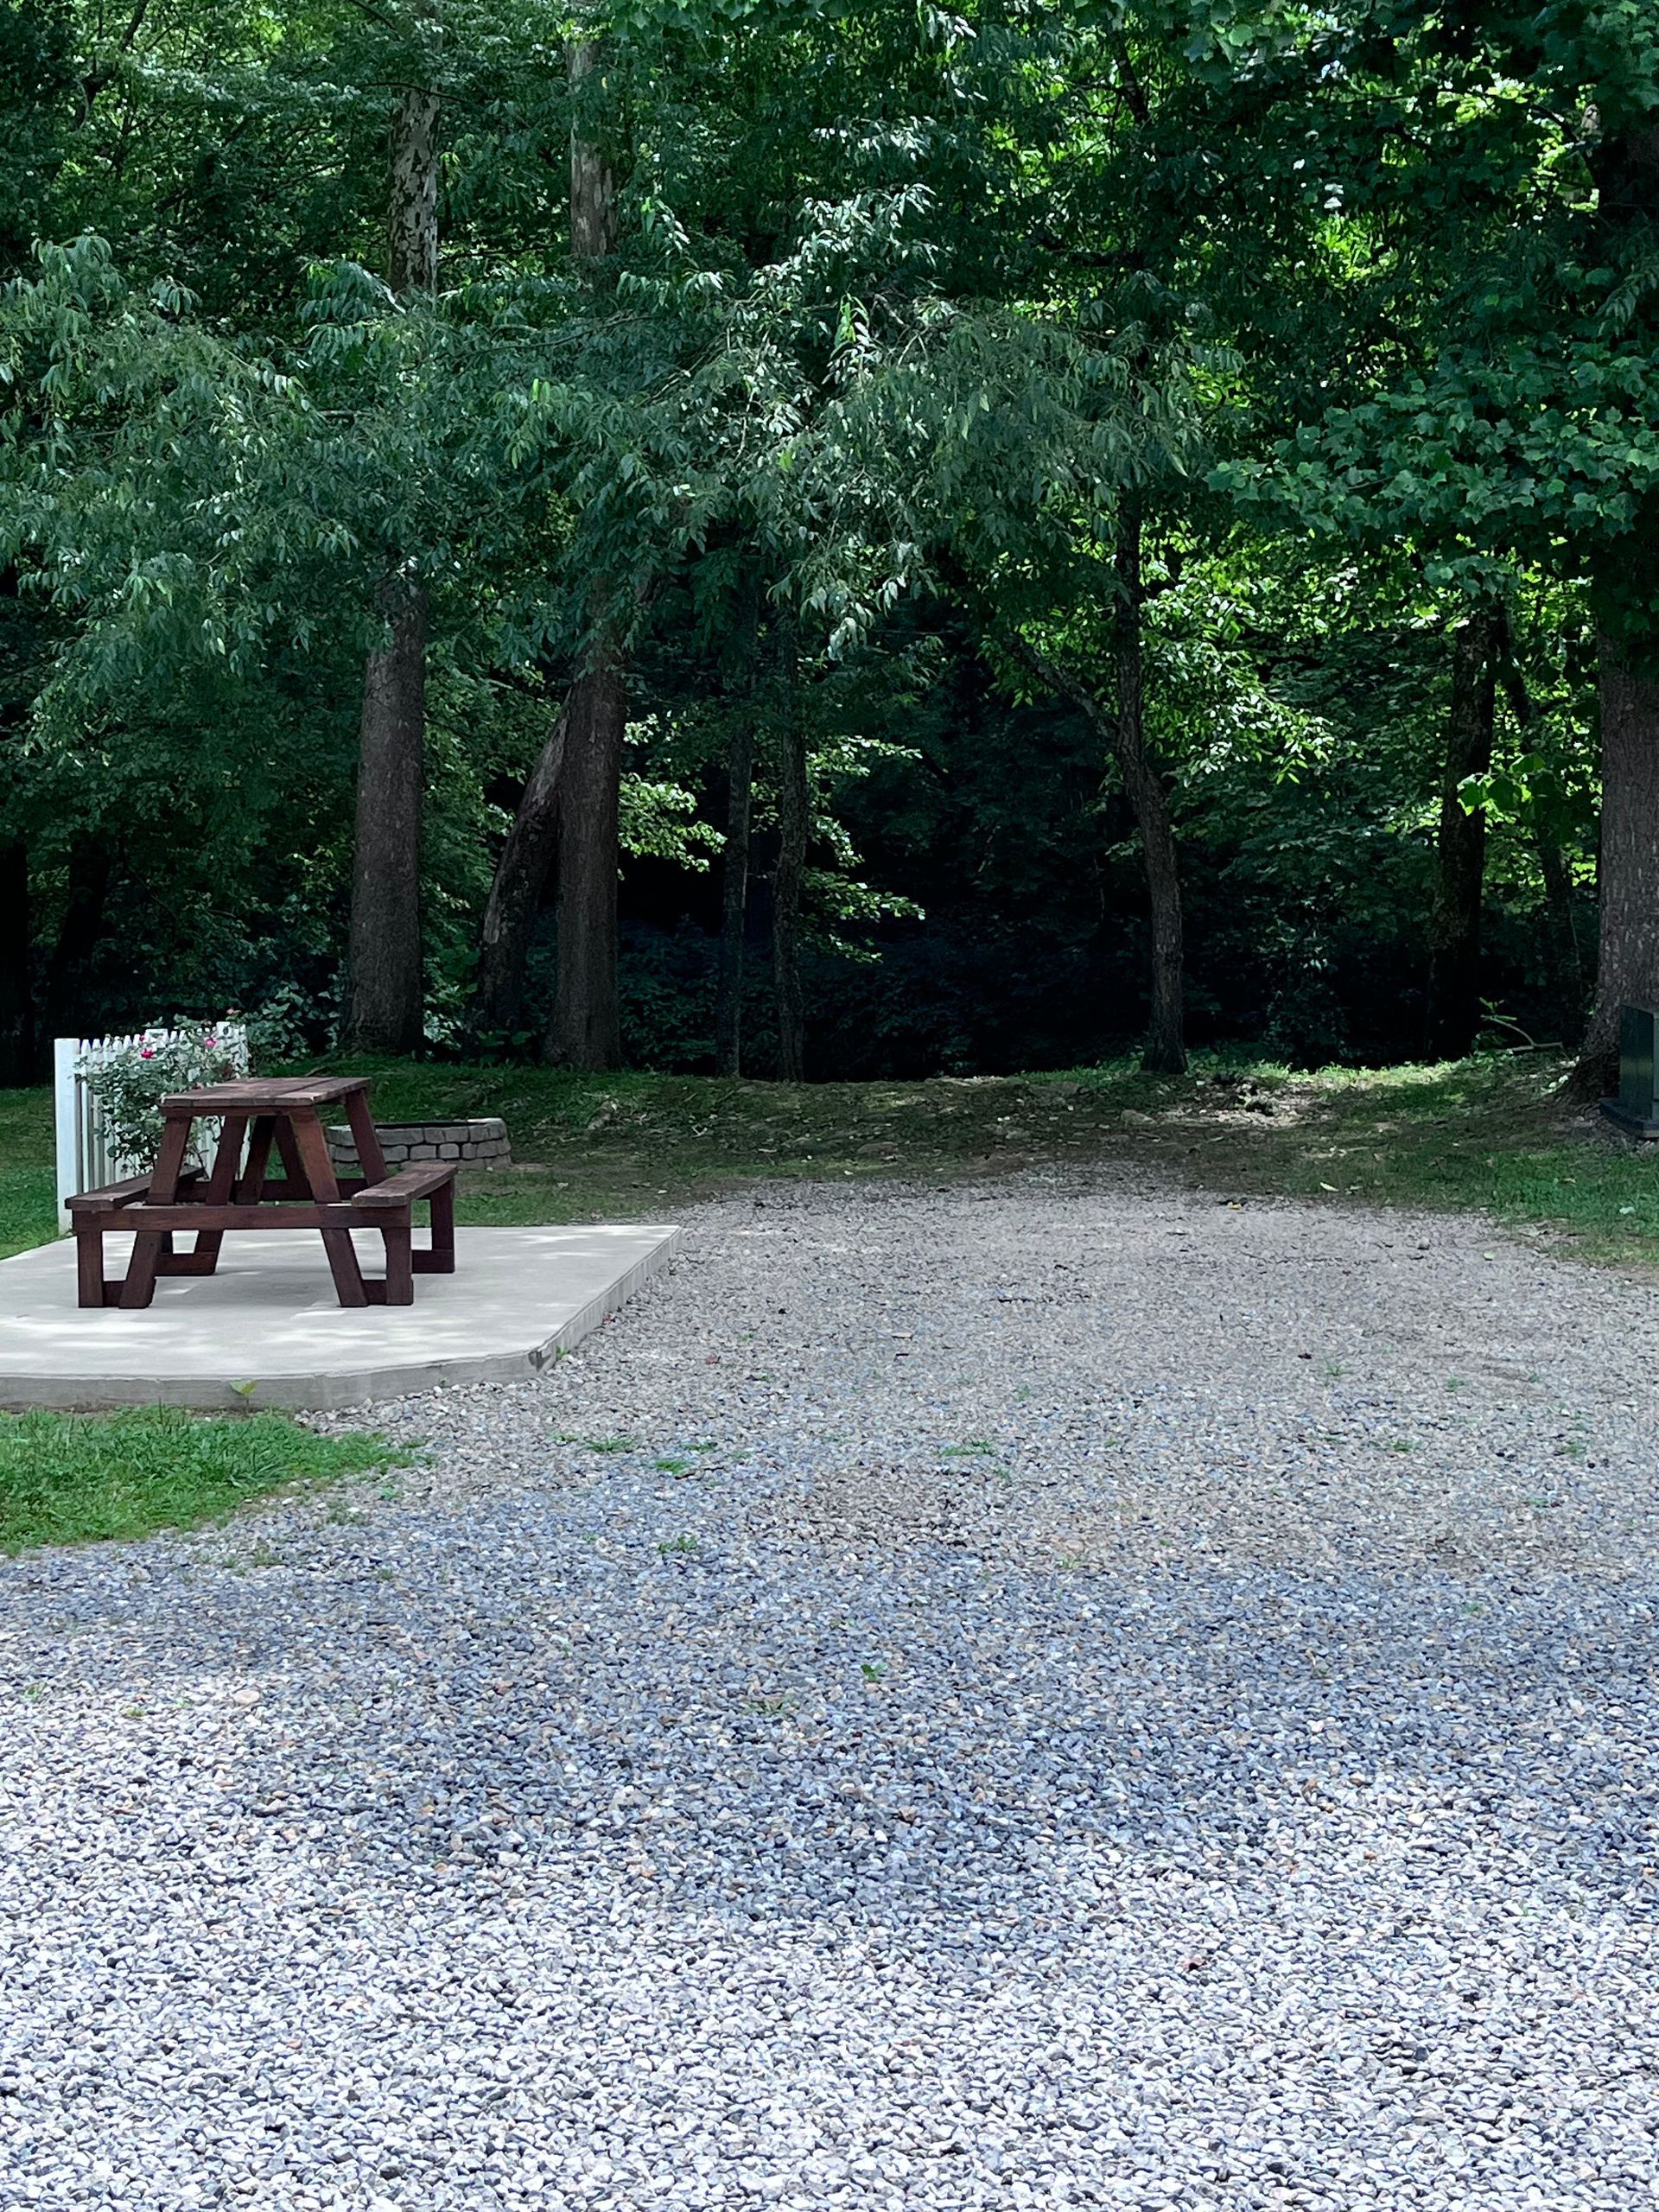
pixel 147 1054
pixel 212 1043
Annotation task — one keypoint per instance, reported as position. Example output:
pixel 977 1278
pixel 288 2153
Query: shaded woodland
pixel 830 540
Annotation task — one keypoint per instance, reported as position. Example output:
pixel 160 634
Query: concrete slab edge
pixel 330 1393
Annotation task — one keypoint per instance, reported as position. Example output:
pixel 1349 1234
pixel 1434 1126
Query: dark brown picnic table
pixel 238 1193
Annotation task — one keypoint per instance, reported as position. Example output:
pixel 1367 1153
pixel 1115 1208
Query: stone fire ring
pixel 482 1143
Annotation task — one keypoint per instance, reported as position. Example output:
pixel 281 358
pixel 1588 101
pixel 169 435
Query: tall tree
pixel 383 1012
pixel 585 1030
pixel 741 682
pixel 788 879
pixel 1165 1046
pixel 1122 728
pixel 1625 163
pixel 734 900
pixel 1627 874
pixel 1454 1009
pixel 516 888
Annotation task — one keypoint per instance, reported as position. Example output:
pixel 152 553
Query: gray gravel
pixel 1049 1695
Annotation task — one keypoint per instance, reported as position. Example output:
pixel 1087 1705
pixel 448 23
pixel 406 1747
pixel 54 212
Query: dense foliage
pixel 1091 515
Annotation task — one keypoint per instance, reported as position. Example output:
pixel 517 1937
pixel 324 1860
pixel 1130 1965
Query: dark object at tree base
pixel 1632 1124
pixel 1636 1110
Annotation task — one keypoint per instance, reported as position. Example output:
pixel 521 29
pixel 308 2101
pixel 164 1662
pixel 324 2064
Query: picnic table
pixel 257 1115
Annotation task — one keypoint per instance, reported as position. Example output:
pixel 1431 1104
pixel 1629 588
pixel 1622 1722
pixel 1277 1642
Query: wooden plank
pixel 252 1188
pixel 416 1182
pixel 130 1193
pixel 138 1285
pixel 221 1185
pixel 400 1274
pixel 288 1153
pixel 440 1259
pixel 169 1161
pixel 89 1263
pixel 264 1094
pixel 112 1194
pixel 226 1160
pixel 286 1192
pixel 190 1214
pixel 148 1247
pixel 312 1146
pixel 370 1157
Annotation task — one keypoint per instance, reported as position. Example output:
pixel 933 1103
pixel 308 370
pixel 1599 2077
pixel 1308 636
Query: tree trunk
pixel 1166 1048
pixel 734 904
pixel 384 1003
pixel 516 894
pixel 585 1031
pixel 1563 955
pixel 412 225
pixel 1626 166
pixel 1454 1013
pixel 17 985
pixel 593 192
pixel 1627 873
pixel 792 813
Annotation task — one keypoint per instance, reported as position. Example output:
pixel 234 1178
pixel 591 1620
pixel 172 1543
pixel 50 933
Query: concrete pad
pixel 269 1319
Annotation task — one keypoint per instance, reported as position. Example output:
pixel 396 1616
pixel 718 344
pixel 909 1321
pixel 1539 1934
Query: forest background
pixel 848 539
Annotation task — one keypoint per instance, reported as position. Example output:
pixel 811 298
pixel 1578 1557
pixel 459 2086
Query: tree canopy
pixel 850 540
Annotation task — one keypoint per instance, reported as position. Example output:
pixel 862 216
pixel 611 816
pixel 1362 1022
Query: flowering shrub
pixel 129 1085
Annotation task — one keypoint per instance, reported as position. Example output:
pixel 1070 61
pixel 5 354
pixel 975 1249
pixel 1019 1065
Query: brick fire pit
pixel 470 1144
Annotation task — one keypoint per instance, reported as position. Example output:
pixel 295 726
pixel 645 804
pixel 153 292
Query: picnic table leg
pixel 89 1265
pixel 400 1272
pixel 226 1160
pixel 139 1287
pixel 252 1188
pixel 440 1259
pixel 288 1155
pixel 371 1159
pixel 312 1148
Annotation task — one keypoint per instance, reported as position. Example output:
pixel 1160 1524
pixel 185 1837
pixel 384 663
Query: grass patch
pixel 28 1196
pixel 65 1477
pixel 1494 1133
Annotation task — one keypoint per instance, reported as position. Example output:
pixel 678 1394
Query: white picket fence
pixel 85 1160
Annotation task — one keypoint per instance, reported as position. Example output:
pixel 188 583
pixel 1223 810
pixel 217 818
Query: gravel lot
pixel 1038 1694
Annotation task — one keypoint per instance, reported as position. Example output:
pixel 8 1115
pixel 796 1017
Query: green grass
pixel 28 1198
pixel 65 1477
pixel 1497 1134
pixel 1494 1133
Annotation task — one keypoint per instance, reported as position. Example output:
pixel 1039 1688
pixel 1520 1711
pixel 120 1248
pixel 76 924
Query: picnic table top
pixel 264 1094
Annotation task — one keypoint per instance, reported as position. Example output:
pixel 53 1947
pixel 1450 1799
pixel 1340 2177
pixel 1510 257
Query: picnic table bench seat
pixel 238 1194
